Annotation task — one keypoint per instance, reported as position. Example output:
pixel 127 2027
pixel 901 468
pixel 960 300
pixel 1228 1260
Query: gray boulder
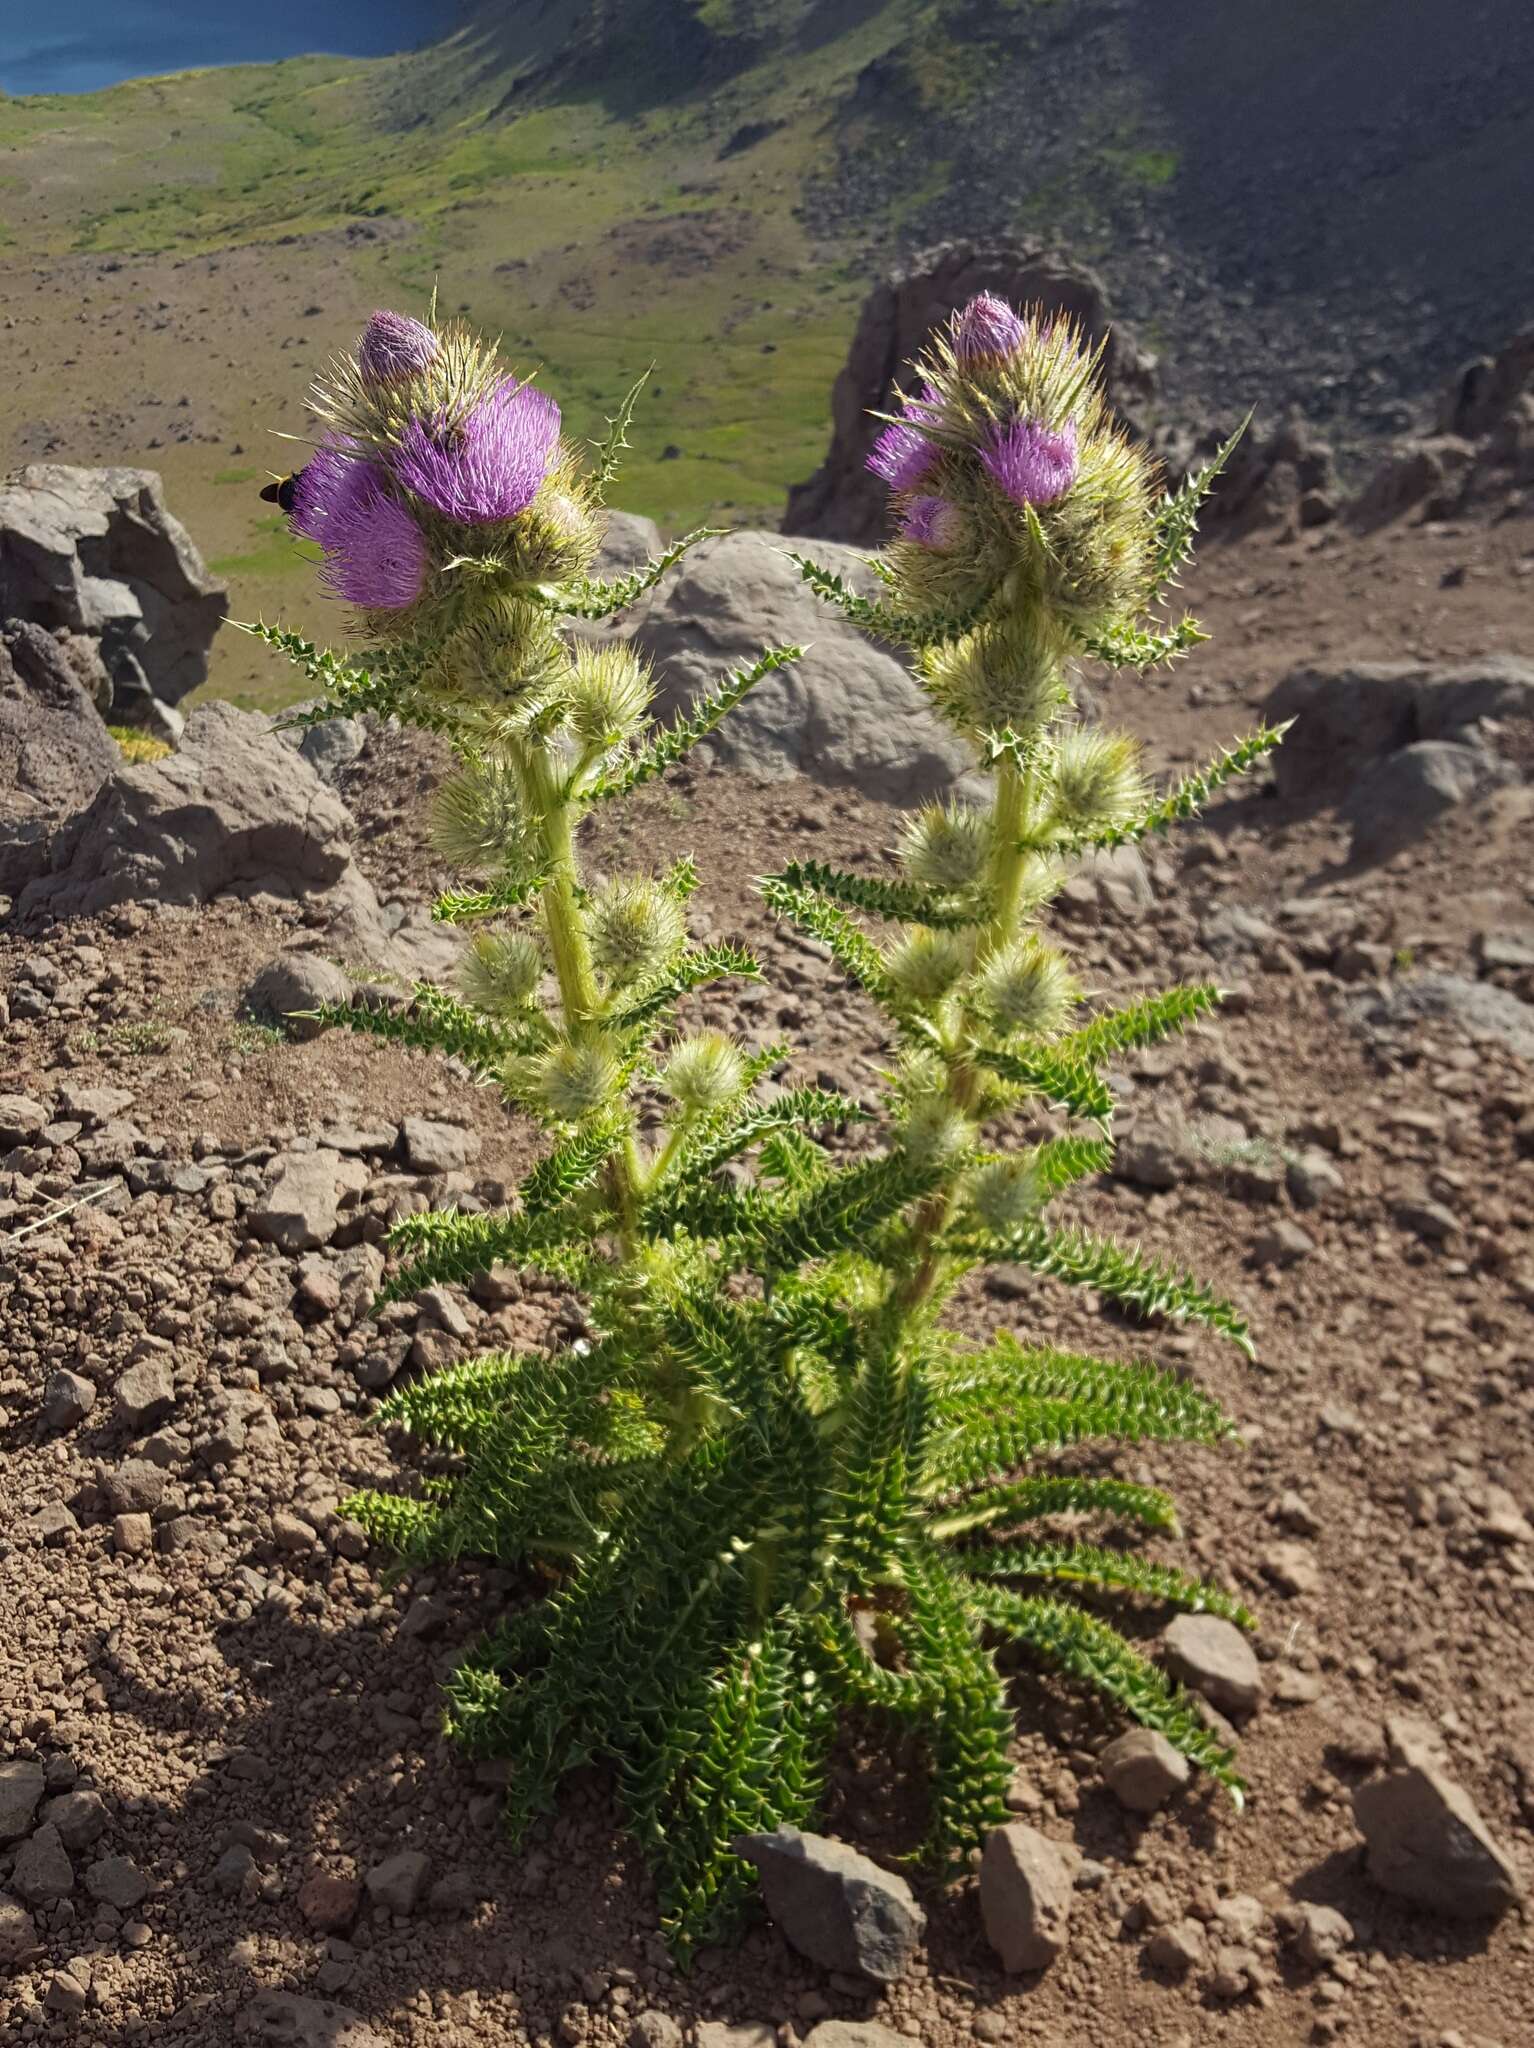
pixel 293 983
pixel 55 753
pixel 1347 719
pixel 95 551
pixel 234 812
pixel 1403 796
pixel 630 541
pixel 848 714
pixel 1477 1011
pixel 836 1907
pixel 1426 1843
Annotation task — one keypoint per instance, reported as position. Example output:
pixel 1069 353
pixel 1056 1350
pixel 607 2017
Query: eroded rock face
pixel 95 551
pixel 842 501
pixel 849 713
pixel 233 812
pixel 55 753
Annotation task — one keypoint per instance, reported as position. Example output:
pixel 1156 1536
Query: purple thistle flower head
pixel 934 523
pixel 491 465
pixel 1032 464
pixel 395 348
pixel 902 455
pixel 375 554
pixel 986 331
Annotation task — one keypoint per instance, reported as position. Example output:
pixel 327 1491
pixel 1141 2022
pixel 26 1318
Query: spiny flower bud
pixel 1005 676
pixel 946 846
pixel 375 554
pixel 1095 779
pixel 934 1133
pixel 935 523
pixel 986 331
pixel 479 820
pixel 635 928
pixel 505 656
pixel 705 1073
pixel 1027 987
pixel 395 348
pixel 487 466
pixel 1006 1194
pixel 1032 464
pixel 925 965
pixel 574 1081
pixel 501 972
pixel 609 690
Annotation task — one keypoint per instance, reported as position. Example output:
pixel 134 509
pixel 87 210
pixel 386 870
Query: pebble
pixel 145 1393
pixel 81 1817
pixel 1026 1894
pixel 839 1908
pixel 114 1881
pixel 1212 1656
pixel 1426 1842
pixel 398 1881
pixel 67 1400
pixel 1142 1770
pixel 42 1872
pixel 22 1784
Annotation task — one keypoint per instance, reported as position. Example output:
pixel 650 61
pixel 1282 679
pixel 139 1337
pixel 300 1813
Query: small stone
pixel 18 1934
pixel 836 1907
pixel 1312 1178
pixel 1142 1770
pixel 398 1881
pixel 281 2019
pixel 1025 1897
pixel 330 1904
pixel 114 1881
pixel 145 1393
pixel 300 1210
pixel 1283 1243
pixel 739 2034
pixel 22 1784
pixel 291 1533
pixel 1425 1842
pixel 294 982
pixel 42 1872
pixel 21 1120
pixel 81 1817
pixel 1236 1972
pixel 235 1875
pixel 1176 1948
pixel 1319 1933
pixel 52 1523
pixel 848 2034
pixel 1215 1658
pixel 67 1994
pixel 1292 1568
pixel 132 1535
pixel 436 1147
pixel 67 1400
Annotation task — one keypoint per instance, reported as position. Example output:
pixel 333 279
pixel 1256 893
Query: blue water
pixel 81 45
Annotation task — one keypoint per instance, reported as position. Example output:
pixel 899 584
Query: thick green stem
pixel 1009 864
pixel 571 952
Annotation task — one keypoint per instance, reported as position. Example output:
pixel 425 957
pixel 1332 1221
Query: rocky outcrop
pixel 1397 745
pixel 842 501
pixel 1480 449
pixel 1274 476
pixel 55 753
pixel 848 713
pixel 96 553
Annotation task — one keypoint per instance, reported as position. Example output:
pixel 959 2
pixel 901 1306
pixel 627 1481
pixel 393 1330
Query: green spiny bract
pixel 775 1487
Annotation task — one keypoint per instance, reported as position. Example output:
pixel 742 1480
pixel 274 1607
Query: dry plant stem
pixel 1008 864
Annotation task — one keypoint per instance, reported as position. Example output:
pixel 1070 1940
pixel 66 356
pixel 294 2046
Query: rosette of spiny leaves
pixel 774 1489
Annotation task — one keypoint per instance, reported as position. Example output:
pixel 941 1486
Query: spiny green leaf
pixel 693 970
pixel 1056 1074
pixel 462 906
pixel 1090 1564
pixel 1189 795
pixel 883 621
pixel 1145 1021
pixel 588 598
pixel 707 713
pixel 855 952
pixel 1031 1499
pixel 893 900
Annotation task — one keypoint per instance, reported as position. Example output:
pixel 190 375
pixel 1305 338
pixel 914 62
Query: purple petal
pixel 375 554
pixel 902 455
pixel 394 348
pixel 987 330
pixel 492 465
pixel 933 523
pixel 1032 464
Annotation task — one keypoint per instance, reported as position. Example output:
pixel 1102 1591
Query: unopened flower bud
pixel 574 1081
pixel 635 928
pixel 946 846
pixel 935 523
pixel 986 331
pixel 1006 1194
pixel 479 820
pixel 609 690
pixel 705 1073
pixel 934 1133
pixel 1095 779
pixel 1005 676
pixel 1027 987
pixel 925 965
pixel 395 348
pixel 501 972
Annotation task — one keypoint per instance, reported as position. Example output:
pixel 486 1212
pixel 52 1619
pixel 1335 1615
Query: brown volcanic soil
pixel 250 1684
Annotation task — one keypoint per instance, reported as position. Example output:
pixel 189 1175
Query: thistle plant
pixel 776 1487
